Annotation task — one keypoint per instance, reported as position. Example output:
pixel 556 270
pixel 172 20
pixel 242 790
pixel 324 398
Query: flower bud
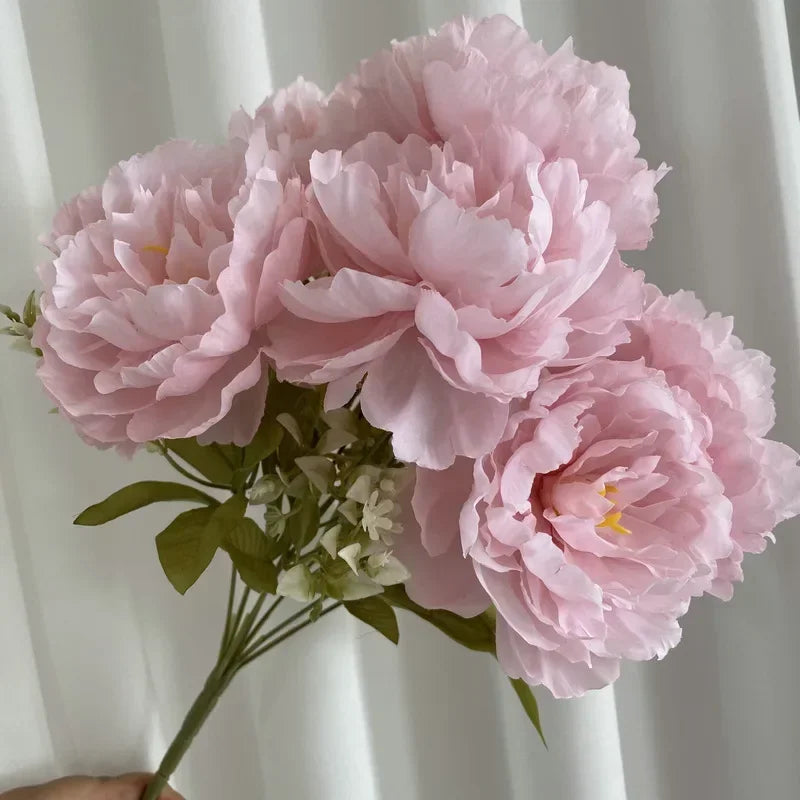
pixel 266 490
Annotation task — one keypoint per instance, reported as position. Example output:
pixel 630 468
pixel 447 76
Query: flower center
pixel 611 520
pixel 583 499
pixel 156 248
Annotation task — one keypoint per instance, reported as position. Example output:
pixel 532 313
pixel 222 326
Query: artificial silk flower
pixel 154 308
pixel 699 354
pixel 388 336
pixel 473 74
pixel 590 527
pixel 437 300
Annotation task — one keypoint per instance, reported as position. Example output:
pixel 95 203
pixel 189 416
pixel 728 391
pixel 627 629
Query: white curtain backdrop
pixel 99 657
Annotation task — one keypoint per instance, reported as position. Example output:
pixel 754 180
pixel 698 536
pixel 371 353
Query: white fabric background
pixel 99 658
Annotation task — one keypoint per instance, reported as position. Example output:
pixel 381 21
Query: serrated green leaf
pixel 250 551
pixel 476 633
pixel 29 313
pixel 528 701
pixel 187 546
pixel 318 469
pixel 210 461
pixel 303 525
pixel 334 440
pixel 375 612
pixel 139 495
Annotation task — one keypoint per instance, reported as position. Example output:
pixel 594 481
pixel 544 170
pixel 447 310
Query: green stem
pixel 228 616
pixel 252 654
pixel 260 624
pixel 239 613
pixel 238 651
pixel 186 474
pixel 253 643
pixel 202 707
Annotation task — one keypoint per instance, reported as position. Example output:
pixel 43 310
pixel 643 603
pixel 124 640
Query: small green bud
pixel 31 310
pixel 266 489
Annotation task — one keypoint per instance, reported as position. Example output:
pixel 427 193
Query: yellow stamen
pixel 612 521
pixel 156 248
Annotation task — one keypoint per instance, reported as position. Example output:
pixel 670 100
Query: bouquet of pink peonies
pixel 387 339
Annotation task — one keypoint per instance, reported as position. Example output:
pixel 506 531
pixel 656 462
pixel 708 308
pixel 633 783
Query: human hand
pixel 125 787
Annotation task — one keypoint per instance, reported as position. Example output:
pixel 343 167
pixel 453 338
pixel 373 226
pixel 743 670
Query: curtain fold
pixel 100 658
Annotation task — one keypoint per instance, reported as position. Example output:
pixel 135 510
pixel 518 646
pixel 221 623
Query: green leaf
pixel 265 442
pixel 249 550
pixel 29 313
pixel 476 633
pixel 297 410
pixel 318 469
pixel 303 524
pixel 291 425
pixel 341 419
pixel 229 514
pixel 297 486
pixel 187 545
pixel 526 697
pixel 334 440
pixel 376 613
pixel 210 461
pixel 139 495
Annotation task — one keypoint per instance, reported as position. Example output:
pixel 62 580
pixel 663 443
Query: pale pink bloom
pixel 154 309
pixel 475 74
pixel 733 387
pixel 589 527
pixel 297 121
pixel 452 286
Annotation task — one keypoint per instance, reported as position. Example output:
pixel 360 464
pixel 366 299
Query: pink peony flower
pixel 590 526
pixel 154 308
pixel 733 387
pixel 475 74
pixel 297 121
pixel 453 284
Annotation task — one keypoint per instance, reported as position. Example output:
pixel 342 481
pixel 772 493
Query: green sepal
pixel 529 704
pixel 31 310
